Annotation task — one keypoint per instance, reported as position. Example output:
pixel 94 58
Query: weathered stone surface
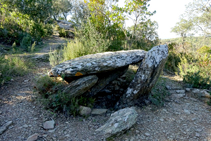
pixel 5 127
pixel 80 86
pixel 99 111
pixel 49 125
pixel 104 80
pixel 84 111
pixel 119 121
pixel 97 63
pixel 146 76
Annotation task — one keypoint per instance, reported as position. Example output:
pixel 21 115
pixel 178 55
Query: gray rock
pixel 5 127
pixel 178 96
pixel 180 91
pixel 49 124
pixel 80 86
pixel 97 63
pixel 104 79
pixel 146 76
pixel 99 111
pixel 119 121
pixel 84 111
pixel 33 137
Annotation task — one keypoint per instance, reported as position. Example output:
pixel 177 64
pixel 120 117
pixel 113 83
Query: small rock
pixel 147 134
pixel 12 80
pixel 99 111
pixel 168 87
pixel 33 137
pixel 197 135
pixel 180 91
pixel 187 111
pixel 25 81
pixel 187 89
pixel 177 95
pixel 25 126
pixel 49 125
pixel 161 119
pixel 5 127
pixel 84 111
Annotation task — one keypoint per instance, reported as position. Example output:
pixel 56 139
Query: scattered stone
pixel 197 135
pixel 168 87
pixel 180 91
pixel 119 121
pixel 49 125
pixel 5 127
pixel 33 137
pixel 85 111
pixel 99 111
pixel 178 96
pixel 187 89
pixel 25 126
pixel 147 134
pixel 187 111
pixel 146 76
pixel 97 63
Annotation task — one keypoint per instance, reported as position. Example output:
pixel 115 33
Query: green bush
pixel 195 70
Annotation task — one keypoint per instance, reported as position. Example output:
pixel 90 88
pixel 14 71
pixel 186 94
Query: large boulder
pixel 146 76
pixel 96 63
pixel 119 122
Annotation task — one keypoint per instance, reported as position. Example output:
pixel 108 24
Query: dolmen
pixel 88 75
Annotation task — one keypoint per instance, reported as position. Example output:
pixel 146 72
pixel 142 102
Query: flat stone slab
pixel 97 63
pixel 119 121
pixel 99 111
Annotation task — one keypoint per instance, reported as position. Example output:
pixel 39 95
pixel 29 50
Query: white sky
pixel 167 15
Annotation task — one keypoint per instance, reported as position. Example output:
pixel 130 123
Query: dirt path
pixel 183 118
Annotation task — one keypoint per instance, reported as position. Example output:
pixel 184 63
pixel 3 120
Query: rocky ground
pixel 21 115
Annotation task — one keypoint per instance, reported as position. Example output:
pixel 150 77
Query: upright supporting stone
pixel 146 76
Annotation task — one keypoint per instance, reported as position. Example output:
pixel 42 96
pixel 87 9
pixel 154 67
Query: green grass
pixel 13 66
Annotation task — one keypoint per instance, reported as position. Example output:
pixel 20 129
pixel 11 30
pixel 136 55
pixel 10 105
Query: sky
pixel 168 13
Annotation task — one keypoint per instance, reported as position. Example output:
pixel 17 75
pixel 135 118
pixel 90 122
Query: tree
pixel 199 13
pixel 38 10
pixel 182 28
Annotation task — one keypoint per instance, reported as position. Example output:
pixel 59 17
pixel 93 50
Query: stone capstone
pixel 119 121
pixel 146 76
pixel 65 24
pixel 96 63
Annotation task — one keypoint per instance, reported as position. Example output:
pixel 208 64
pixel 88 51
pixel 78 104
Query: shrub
pixel 195 70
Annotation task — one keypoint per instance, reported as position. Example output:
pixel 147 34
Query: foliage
pixel 204 49
pixel 195 69
pixel 13 66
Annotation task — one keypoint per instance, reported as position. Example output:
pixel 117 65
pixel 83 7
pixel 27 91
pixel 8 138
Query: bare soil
pixel 180 119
